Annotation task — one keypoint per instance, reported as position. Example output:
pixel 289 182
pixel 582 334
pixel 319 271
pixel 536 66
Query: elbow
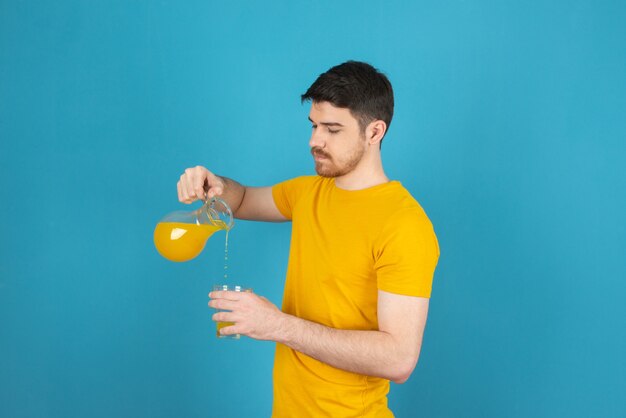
pixel 403 370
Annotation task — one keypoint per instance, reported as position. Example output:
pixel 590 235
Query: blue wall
pixel 509 129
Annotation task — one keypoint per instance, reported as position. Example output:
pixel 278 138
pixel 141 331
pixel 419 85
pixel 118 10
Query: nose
pixel 317 139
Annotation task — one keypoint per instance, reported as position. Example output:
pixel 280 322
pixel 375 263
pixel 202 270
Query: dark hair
pixel 357 86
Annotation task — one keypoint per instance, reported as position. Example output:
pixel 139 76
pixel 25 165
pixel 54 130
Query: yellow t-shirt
pixel 345 246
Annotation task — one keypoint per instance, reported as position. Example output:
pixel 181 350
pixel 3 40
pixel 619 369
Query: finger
pixel 223 316
pixel 181 194
pixel 229 330
pixel 195 183
pixel 198 186
pixel 183 189
pixel 224 304
pixel 216 186
pixel 190 175
pixel 225 294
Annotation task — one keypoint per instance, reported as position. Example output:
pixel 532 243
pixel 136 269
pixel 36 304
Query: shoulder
pixel 300 182
pixel 288 193
pixel 405 219
pixel 401 203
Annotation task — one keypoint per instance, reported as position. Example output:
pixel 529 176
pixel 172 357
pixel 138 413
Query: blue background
pixel 509 129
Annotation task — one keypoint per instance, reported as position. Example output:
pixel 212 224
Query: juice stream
pixel 221 325
pixel 226 258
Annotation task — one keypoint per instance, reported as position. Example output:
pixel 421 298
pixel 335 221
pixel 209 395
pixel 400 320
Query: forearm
pixel 372 353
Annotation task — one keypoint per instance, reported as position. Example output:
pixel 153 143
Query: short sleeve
pixel 407 254
pixel 287 193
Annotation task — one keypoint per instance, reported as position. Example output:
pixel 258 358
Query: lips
pixel 319 154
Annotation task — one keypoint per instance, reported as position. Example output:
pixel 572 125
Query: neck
pixel 368 173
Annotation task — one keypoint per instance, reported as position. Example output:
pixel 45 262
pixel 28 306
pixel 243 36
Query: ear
pixel 375 132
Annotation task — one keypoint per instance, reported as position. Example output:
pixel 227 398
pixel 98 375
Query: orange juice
pixel 179 241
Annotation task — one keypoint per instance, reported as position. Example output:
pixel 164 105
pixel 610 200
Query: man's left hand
pixel 253 315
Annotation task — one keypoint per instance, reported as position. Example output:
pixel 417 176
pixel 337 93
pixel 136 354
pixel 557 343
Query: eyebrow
pixel 327 123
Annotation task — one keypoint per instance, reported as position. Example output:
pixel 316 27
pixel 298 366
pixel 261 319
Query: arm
pixel 390 353
pixel 251 203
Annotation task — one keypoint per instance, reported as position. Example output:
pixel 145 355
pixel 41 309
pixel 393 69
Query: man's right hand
pixel 199 183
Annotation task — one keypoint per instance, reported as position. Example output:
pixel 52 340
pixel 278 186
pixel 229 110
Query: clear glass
pixel 220 325
pixel 181 236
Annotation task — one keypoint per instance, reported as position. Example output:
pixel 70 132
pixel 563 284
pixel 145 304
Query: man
pixel 362 259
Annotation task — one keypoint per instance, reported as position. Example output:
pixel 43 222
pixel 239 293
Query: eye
pixel 333 131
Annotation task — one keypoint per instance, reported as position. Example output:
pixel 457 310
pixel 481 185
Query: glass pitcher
pixel 181 236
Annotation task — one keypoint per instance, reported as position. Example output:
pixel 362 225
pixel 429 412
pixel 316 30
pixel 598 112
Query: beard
pixel 337 167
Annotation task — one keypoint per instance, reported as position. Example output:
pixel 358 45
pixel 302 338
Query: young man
pixel 361 264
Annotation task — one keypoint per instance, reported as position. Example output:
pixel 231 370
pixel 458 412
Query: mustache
pixel 317 151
